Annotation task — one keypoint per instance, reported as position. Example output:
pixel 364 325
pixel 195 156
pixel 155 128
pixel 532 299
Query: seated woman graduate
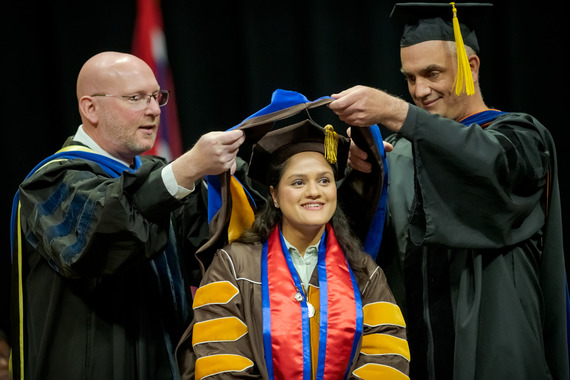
pixel 295 297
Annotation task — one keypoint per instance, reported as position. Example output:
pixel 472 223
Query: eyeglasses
pixel 161 98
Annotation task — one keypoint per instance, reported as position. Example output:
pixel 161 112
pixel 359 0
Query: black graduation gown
pixel 101 298
pixel 478 267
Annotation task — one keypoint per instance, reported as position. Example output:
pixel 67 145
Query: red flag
pixel 149 44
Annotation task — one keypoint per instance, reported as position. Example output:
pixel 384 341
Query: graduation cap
pixel 306 136
pixel 440 22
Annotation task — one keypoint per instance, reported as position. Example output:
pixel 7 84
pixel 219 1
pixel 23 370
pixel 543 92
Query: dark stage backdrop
pixel 227 57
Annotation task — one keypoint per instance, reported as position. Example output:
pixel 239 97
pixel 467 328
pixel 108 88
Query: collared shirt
pixel 167 174
pixel 304 264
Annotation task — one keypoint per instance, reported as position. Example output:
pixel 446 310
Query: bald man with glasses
pixel 99 281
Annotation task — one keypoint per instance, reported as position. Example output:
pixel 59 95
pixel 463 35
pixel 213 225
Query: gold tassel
pixel 331 144
pixel 463 68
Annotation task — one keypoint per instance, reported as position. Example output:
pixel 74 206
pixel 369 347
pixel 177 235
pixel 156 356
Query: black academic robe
pixel 104 287
pixel 478 267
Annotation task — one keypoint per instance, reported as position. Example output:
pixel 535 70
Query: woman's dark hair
pixel 270 216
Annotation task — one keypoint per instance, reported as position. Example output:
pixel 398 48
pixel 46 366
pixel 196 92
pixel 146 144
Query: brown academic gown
pixel 239 266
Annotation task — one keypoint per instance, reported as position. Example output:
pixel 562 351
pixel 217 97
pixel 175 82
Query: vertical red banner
pixel 149 44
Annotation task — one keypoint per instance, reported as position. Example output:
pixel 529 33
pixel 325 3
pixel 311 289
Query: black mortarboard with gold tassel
pixel 440 22
pixel 306 136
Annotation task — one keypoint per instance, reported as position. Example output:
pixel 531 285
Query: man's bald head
pixel 104 86
pixel 109 72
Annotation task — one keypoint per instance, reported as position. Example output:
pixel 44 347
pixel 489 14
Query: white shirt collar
pixel 82 137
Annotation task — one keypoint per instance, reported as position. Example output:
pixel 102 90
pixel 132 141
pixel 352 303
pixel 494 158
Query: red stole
pixel 286 315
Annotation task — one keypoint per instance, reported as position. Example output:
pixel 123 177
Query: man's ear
pixel 88 109
pixel 474 64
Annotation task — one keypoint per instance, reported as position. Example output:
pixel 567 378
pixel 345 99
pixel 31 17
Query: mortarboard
pixel 440 22
pixel 306 136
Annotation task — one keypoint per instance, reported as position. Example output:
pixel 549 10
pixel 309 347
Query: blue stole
pixel 374 236
pixel 482 118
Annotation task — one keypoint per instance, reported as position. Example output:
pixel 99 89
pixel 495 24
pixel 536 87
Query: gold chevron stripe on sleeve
pixel 214 293
pixel 382 313
pixel 384 344
pixel 227 329
pixel 373 371
pixel 216 364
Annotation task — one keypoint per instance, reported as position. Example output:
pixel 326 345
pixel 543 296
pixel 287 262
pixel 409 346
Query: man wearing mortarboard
pixel 477 261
